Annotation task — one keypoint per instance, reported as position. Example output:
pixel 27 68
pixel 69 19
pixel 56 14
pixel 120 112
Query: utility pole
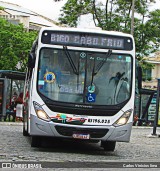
pixel 132 18
pixel 157 108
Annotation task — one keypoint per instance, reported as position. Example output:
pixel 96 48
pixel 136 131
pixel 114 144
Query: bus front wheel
pixel 25 130
pixel 108 145
pixel 35 141
pixel 25 133
pixel 25 124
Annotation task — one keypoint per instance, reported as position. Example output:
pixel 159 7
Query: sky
pixel 51 9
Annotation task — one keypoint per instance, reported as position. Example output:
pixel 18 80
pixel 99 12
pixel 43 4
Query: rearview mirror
pixel 31 60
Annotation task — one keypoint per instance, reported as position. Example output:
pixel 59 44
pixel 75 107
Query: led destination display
pixel 87 40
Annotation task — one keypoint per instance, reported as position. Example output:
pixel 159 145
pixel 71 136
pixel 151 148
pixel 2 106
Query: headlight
pixel 40 112
pixel 124 118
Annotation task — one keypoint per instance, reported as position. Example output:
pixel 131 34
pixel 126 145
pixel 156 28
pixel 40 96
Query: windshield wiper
pixel 99 66
pixel 70 60
pixel 93 73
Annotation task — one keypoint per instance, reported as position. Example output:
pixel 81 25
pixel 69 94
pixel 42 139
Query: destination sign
pixel 90 40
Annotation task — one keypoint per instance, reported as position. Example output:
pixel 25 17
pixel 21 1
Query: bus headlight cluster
pixel 40 112
pixel 124 118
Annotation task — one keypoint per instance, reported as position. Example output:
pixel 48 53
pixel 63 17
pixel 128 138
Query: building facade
pixel 152 74
pixel 17 14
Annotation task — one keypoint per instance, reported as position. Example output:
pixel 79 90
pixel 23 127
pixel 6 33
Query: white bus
pixel 80 84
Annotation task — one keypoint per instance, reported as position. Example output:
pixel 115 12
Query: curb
pixel 142 127
pixel 11 123
pixel 21 124
pixel 153 136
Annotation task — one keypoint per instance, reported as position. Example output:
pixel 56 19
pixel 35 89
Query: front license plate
pixel 81 136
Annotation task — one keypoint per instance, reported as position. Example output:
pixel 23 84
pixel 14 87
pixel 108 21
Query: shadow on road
pixel 49 144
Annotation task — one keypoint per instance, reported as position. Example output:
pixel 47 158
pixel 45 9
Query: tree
pixel 116 15
pixel 73 9
pixel 15 43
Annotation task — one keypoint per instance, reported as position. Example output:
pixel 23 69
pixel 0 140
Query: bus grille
pixel 69 131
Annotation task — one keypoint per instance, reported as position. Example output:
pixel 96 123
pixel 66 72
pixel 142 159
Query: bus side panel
pixel 26 100
pixel 30 90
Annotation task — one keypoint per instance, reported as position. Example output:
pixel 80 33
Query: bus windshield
pixel 86 77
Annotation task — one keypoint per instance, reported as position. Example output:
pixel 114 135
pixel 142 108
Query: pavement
pixel 143 147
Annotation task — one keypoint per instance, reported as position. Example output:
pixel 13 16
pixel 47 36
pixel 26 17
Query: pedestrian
pixel 135 120
pixel 19 107
pixel 11 111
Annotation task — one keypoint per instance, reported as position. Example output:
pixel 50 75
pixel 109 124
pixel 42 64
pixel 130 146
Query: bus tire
pixel 35 141
pixel 25 133
pixel 25 128
pixel 108 145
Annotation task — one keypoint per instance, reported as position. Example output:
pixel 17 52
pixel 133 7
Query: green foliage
pixel 72 10
pixel 116 15
pixel 15 43
pixel 1 8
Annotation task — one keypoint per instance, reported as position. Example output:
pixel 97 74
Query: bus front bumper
pixel 39 127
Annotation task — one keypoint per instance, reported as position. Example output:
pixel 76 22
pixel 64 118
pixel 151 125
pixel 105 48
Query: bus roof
pixel 89 30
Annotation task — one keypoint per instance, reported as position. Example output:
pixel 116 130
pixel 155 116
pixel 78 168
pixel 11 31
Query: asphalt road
pixel 143 147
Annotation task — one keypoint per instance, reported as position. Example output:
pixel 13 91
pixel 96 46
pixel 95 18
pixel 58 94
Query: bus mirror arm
pixel 139 69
